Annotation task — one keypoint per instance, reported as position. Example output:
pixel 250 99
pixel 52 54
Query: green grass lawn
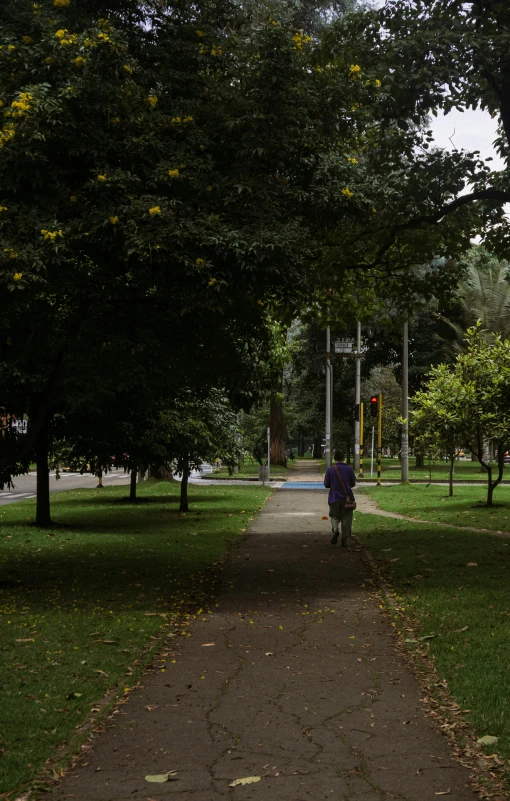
pixel 249 471
pixel 79 601
pixel 465 508
pixel 464 470
pixel 466 608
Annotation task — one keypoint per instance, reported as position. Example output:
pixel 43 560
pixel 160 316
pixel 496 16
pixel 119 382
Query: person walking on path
pixel 339 479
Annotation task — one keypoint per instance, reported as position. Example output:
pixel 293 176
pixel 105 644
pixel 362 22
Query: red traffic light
pixel 374 405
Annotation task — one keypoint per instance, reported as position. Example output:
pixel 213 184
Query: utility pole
pixel 328 398
pixel 357 399
pixel 379 438
pixel 404 459
pixel 361 437
pixel 268 454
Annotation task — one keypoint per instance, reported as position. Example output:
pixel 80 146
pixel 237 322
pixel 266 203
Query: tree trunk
pixel 450 479
pixel 317 448
pixel 132 484
pixel 162 473
pixel 42 514
pixel 301 446
pixel 501 467
pixel 184 505
pixel 490 486
pixel 277 426
pixel 420 461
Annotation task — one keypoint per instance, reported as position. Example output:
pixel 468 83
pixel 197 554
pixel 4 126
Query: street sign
pixel 343 345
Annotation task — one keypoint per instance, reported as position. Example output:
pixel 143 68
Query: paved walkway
pixel 292 675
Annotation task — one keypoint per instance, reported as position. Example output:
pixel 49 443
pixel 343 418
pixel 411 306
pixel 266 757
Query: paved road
pixel 25 486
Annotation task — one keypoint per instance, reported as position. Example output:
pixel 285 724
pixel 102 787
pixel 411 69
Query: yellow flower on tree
pixel 60 34
pixel 61 3
pixel 353 160
pixel 211 282
pixel 49 60
pixel 114 220
pixel 154 210
pixel 347 192
pixel 73 198
pixel 187 119
pixel 22 104
pixel 200 262
pixel 51 235
pixel 152 100
pixel 17 276
pixel 11 48
pixel 3 208
pixel 354 71
pixel 128 69
pixel 79 61
pixel 101 177
pixel 6 133
pixel 377 82
pixel 300 39
pixel 27 40
pixel 200 34
pixel 173 173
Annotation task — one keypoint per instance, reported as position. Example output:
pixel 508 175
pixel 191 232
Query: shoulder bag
pixel 350 503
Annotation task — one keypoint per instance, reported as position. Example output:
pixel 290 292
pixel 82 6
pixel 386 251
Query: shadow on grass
pixel 114 500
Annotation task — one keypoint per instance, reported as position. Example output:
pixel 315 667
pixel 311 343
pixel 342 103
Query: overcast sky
pixel 471 130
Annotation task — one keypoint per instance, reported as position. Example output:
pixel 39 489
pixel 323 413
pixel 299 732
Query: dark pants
pixel 341 516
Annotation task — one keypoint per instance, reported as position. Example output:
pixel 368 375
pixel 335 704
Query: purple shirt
pixel 332 482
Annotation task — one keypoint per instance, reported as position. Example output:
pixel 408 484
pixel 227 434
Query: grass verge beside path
pixel 465 508
pixel 465 609
pixel 79 601
pixel 464 471
pixel 249 471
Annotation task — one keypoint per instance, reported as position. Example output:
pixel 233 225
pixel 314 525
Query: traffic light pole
pixel 328 399
pixel 357 398
pixel 404 452
pixel 361 435
pixel 379 438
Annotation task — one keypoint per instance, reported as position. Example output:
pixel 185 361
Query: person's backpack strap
pixel 347 492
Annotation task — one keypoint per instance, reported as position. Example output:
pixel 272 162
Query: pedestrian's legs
pixel 346 520
pixel 334 515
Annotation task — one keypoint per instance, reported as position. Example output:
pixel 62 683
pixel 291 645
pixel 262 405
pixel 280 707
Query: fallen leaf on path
pixel 159 778
pixel 487 740
pixel 109 642
pixel 427 637
pixel 73 695
pixel 208 644
pixel 150 707
pixel 101 672
pixel 247 780
pixel 269 653
pixel 324 518
pixel 472 564
pixel 444 792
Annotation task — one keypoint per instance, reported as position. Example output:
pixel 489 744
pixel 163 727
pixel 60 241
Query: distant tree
pixel 437 417
pixel 469 401
pixel 483 295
